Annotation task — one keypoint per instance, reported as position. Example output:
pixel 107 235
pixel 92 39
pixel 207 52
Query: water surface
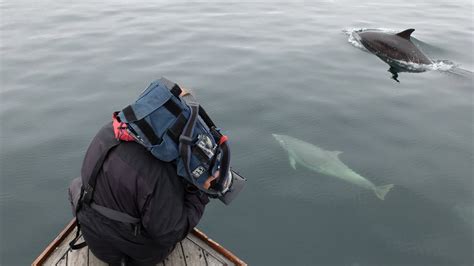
pixel 258 68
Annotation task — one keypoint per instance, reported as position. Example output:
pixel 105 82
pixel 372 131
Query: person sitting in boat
pixel 140 207
pixel 147 177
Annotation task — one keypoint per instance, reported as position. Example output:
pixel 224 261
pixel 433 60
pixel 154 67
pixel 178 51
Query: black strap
pixel 147 130
pixel 173 107
pixel 115 215
pixel 90 186
pixel 206 118
pixel 142 124
pixel 185 142
pixel 109 213
pixel 176 90
pixel 175 130
pixel 129 114
pixel 87 194
pixel 185 149
pixel 73 244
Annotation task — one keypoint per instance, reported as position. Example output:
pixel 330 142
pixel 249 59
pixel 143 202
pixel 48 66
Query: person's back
pixel 134 182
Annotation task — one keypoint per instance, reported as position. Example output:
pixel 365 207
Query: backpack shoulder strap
pixel 90 186
pixel 87 190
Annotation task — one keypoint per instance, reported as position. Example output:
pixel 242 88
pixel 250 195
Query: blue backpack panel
pixel 175 130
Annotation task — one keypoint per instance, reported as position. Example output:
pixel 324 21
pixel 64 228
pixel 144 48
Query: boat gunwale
pixel 55 243
pixel 217 247
pixel 70 227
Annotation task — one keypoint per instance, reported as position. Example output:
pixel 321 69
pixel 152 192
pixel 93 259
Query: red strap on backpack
pixel 120 129
pixel 223 139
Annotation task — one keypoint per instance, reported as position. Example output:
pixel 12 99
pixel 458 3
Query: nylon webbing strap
pixel 176 90
pixel 73 244
pixel 173 107
pixel 142 124
pixel 148 131
pixel 185 142
pixel 129 114
pixel 175 130
pixel 87 192
pixel 115 215
pixel 90 186
pixel 206 118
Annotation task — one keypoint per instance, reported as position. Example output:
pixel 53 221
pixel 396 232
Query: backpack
pixel 177 129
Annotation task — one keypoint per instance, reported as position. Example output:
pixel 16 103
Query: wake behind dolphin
pixel 325 162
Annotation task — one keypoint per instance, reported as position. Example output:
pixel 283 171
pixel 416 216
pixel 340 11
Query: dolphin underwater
pixel 394 47
pixel 325 162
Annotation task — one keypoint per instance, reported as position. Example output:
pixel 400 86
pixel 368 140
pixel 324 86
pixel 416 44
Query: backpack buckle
pixel 87 196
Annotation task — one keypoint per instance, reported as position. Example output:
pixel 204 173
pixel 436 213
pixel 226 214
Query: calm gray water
pixel 258 68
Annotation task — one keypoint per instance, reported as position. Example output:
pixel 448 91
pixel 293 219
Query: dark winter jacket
pixel 133 181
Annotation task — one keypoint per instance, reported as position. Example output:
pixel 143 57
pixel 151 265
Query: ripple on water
pixel 258 68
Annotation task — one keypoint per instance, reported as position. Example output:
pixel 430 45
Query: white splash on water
pixel 443 65
pixel 438 65
pixel 354 39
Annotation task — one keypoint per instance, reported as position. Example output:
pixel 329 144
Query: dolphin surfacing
pixel 325 162
pixel 393 46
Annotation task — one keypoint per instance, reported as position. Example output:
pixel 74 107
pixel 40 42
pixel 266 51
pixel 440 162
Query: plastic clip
pixel 87 196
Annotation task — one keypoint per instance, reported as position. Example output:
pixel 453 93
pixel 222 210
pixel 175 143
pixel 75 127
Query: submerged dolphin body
pixel 325 162
pixel 394 49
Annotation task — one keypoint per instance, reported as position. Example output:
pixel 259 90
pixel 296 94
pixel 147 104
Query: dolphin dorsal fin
pixel 336 153
pixel 406 33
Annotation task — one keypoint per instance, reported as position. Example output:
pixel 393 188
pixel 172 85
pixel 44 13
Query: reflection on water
pixel 397 68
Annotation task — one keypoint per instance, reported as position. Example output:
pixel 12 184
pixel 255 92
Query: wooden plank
pixel 218 248
pixel 43 257
pixel 62 262
pixel 60 250
pixel 208 249
pixel 212 252
pixel 176 258
pixel 193 253
pixel 94 261
pixel 213 261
